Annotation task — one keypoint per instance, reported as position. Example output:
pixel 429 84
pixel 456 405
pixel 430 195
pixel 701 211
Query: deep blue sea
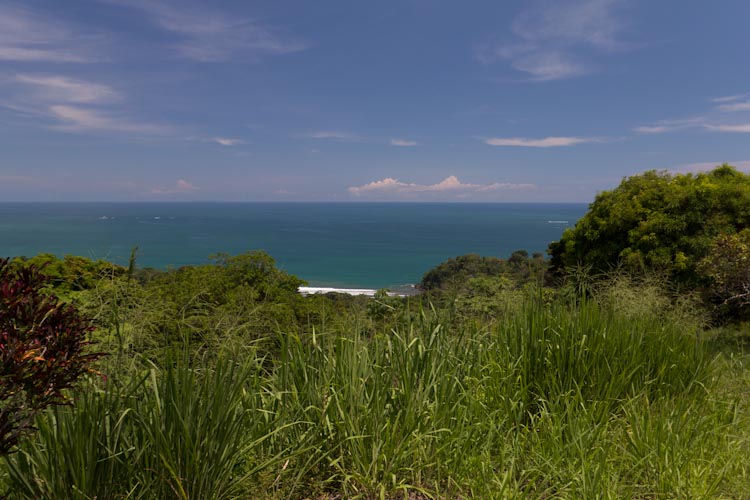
pixel 346 245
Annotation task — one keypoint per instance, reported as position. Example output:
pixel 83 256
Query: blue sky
pixel 409 100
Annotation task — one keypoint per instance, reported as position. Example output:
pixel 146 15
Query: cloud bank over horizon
pixel 448 187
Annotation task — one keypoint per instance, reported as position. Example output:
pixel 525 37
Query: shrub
pixel 42 350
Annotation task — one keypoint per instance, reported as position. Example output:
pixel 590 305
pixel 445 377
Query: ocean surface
pixel 340 245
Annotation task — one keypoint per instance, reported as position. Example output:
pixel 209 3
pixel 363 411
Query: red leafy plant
pixel 43 350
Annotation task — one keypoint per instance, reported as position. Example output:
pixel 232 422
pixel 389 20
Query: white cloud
pixel 226 141
pixel 740 128
pixel 181 186
pixel 655 129
pixel 577 21
pixel 735 106
pixel 547 142
pixel 78 119
pixel 28 35
pixel 81 117
pixel 387 184
pixel 403 143
pixel 550 35
pixel 664 126
pixel 545 66
pixel 327 134
pixel 449 184
pixel 728 98
pixel 71 105
pixel 64 89
pixel 208 35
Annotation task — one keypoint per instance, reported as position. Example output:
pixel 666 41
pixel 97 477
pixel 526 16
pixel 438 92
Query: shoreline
pixel 402 291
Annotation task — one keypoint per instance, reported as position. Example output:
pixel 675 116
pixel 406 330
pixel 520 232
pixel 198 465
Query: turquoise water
pixel 368 245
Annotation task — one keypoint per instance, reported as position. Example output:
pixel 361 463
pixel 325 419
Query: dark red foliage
pixel 42 350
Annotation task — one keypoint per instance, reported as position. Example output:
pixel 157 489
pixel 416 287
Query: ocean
pixel 338 245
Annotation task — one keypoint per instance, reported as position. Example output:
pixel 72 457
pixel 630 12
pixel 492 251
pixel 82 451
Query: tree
pixel 72 273
pixel 457 270
pixel 727 267
pixel 42 350
pixel 657 221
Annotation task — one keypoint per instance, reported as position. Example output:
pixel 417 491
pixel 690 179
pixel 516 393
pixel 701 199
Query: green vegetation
pixel 658 221
pixel 498 382
pixel 455 273
pixel 211 393
pixel 727 267
pixel 71 273
pixel 42 343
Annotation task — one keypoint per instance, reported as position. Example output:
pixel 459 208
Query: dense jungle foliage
pixel 658 221
pixel 499 381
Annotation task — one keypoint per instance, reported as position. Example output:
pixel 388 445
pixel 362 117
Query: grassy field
pixel 620 397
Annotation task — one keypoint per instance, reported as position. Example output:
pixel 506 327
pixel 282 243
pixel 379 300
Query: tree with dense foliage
pixel 727 266
pixel 456 272
pixel 459 269
pixel 242 297
pixel 657 221
pixel 72 272
pixel 42 350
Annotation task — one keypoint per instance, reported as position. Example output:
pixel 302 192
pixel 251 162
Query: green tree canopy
pixel 71 273
pixel 727 268
pixel 457 271
pixel 658 221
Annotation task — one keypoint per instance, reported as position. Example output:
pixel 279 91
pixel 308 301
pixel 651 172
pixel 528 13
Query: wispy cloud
pixel 671 125
pixel 64 89
pixel 728 98
pixel 78 119
pixel 403 143
pixel 181 186
pixel 72 105
pixel 29 35
pixel 331 135
pixel 449 184
pixel 652 129
pixel 730 103
pixel 734 106
pixel 545 66
pixel 743 128
pixel 226 141
pixel 208 35
pixel 550 36
pixel 547 142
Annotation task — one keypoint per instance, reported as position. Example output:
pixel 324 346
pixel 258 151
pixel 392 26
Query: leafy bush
pixel 42 350
pixel 657 221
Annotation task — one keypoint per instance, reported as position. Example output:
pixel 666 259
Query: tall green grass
pixel 177 432
pixel 413 408
pixel 552 400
